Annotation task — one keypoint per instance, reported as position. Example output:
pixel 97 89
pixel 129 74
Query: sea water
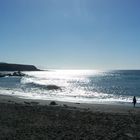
pixel 84 86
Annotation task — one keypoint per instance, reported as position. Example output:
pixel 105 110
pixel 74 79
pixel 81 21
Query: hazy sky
pixel 89 34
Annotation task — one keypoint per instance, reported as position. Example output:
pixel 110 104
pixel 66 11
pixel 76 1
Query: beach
pixel 36 119
pixel 69 70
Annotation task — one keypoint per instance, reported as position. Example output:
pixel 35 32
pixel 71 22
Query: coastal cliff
pixel 17 67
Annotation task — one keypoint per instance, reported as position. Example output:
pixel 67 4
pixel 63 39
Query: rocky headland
pixel 17 67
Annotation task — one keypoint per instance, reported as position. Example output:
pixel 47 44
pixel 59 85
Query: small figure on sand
pixel 134 100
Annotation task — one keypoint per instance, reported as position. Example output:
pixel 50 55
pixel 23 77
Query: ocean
pixel 80 86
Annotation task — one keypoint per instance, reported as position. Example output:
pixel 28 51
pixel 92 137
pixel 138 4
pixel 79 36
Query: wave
pixel 46 87
pixel 34 82
pixel 87 87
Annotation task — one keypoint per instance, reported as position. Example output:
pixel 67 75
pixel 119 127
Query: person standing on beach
pixel 134 100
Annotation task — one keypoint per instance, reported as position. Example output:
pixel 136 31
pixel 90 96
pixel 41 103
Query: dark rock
pixel 18 73
pixel 27 103
pixel 53 103
pixel 53 87
pixel 65 105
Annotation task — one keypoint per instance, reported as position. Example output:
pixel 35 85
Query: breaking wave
pixel 78 86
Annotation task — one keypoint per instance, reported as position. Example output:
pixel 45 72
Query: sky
pixel 71 34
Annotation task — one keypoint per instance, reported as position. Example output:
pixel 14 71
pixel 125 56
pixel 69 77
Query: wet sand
pixel 38 120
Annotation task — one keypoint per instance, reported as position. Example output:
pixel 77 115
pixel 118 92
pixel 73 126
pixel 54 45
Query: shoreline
pixel 35 119
pixel 99 107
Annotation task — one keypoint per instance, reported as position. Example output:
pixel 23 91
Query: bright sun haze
pixel 71 34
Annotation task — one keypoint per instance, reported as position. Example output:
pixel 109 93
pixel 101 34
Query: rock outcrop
pixel 18 73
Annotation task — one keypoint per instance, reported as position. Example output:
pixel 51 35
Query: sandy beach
pixel 38 120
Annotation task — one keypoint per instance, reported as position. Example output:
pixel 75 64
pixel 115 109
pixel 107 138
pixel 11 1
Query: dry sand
pixel 37 120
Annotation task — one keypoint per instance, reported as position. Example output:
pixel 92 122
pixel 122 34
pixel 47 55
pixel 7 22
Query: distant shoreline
pixel 17 67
